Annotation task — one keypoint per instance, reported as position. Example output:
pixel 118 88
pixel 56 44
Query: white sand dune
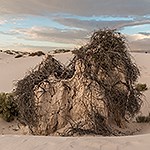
pixel 12 69
pixel 9 142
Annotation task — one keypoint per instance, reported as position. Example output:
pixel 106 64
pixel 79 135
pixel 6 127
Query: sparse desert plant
pixel 25 53
pixel 143 119
pixel 61 51
pixel 141 87
pixel 9 52
pixel 8 109
pixel 15 52
pixel 18 56
pixel 38 53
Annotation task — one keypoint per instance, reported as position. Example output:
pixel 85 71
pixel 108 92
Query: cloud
pixel 34 47
pixel 139 10
pixel 3 21
pixel 66 38
pixel 139 41
pixel 78 7
pixel 145 33
pixel 142 44
pixel 90 24
pixel 94 24
pixel 135 37
pixel 51 34
pixel 27 47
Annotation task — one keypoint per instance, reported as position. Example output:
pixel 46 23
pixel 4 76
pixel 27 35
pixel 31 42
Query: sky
pixel 32 25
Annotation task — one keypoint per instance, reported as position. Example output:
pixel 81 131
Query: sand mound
pixel 94 91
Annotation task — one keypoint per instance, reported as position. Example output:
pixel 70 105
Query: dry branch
pixel 94 91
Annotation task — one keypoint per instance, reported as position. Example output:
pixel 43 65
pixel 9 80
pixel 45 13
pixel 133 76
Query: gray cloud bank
pixel 138 9
pixel 78 7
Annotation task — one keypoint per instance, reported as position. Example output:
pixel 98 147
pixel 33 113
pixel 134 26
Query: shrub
pixel 104 68
pixel 143 119
pixel 38 53
pixel 141 87
pixel 61 51
pixel 18 56
pixel 9 52
pixel 8 109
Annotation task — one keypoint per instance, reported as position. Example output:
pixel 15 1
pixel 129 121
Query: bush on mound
pixel 38 53
pixel 95 91
pixel 9 52
pixel 19 56
pixel 61 51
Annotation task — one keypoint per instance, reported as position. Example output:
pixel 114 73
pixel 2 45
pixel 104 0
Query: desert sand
pixel 13 69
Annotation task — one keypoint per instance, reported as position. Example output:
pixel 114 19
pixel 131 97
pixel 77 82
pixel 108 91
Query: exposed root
pixel 94 91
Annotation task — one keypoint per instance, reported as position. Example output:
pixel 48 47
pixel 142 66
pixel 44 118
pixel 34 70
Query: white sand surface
pixel 143 62
pixel 12 69
pixel 9 142
pixel 11 128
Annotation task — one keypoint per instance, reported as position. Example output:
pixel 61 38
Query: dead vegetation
pixel 93 92
pixel 38 53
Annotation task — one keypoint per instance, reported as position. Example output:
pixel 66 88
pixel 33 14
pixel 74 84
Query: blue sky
pixel 49 24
